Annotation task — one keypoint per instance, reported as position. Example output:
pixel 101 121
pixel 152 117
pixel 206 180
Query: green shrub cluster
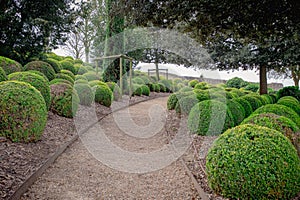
pixel 103 95
pixel 193 83
pixel 64 100
pixel 253 87
pixel 236 83
pixel 9 65
pixel 35 80
pixel 185 104
pixel 85 93
pixel 54 63
pixel 3 76
pixel 41 66
pixel 253 162
pixel 289 91
pixel 237 111
pixel 291 103
pixel 92 76
pixel 201 95
pixel 167 84
pixel 246 105
pixel 280 110
pixel 115 90
pixel 67 72
pixel 23 112
pixel 65 76
pixel 201 86
pixel 81 70
pixel 80 77
pixel 145 90
pixel 138 81
pixel 162 87
pixel 210 117
pixel 172 101
pixel 137 90
pixel 96 82
pixel 60 80
pixel 253 100
pixel 68 65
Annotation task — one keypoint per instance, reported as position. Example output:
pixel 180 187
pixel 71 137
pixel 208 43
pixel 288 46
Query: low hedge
pixel 41 66
pixel 280 110
pixel 210 117
pixel 64 100
pixel 23 112
pixel 253 162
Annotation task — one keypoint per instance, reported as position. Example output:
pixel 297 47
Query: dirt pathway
pixel 125 156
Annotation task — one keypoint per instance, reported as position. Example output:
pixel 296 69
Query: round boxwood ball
pixel 65 76
pixel 91 76
pixel 85 93
pixel 279 110
pixel 54 63
pixel 185 104
pixel 137 90
pixel 237 111
pixel 80 77
pixel 64 100
pixel 295 100
pixel 9 65
pixel 115 90
pixel 172 101
pixel 60 80
pixel 145 90
pixel 23 111
pixel 291 104
pixel 41 66
pixel 253 162
pixel 36 81
pixel 67 72
pixel 246 105
pixel 210 117
pixel 254 101
pixel 67 65
pixel 103 95
pixel 193 83
pixel 3 76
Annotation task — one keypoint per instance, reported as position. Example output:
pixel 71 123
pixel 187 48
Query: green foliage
pixel 96 82
pixel 145 90
pixel 35 80
pixel 267 98
pixel 54 63
pixel 290 103
pixel 69 73
pixel 41 66
pixel 289 98
pixel 210 117
pixel 23 112
pixel 201 95
pixel 280 110
pixel 236 82
pixel 85 93
pixel 193 83
pixel 246 105
pixel 145 79
pixel 186 89
pixel 9 65
pixel 115 90
pixel 167 84
pixel 64 100
pixel 237 111
pixel 80 77
pixel 39 73
pixel 138 80
pixel 235 91
pixel 253 87
pixel 78 61
pixel 60 80
pixel 289 91
pixel 81 81
pixel 65 76
pixel 137 90
pixel 3 76
pixel 185 104
pixel 67 65
pixel 172 101
pixel 103 95
pixel 92 76
pixel 253 162
pixel 201 86
pixel 253 100
pixel 54 56
pixel 81 70
pixel 162 87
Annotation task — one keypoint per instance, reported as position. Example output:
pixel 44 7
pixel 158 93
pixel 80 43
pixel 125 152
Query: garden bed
pixel 20 160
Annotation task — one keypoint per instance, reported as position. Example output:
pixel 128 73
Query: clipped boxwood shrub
pixel 289 98
pixel 280 110
pixel 60 80
pixel 64 100
pixel 201 86
pixel 9 65
pixel 67 72
pixel 80 77
pixel 237 111
pixel 81 81
pixel 41 66
pixel 37 81
pixel 66 64
pixel 167 84
pixel 64 76
pixel 267 98
pixel 138 81
pixel 157 88
pixel 186 89
pixel 290 103
pixel 246 105
pixel 253 87
pixel 289 91
pixel 145 79
pixel 236 92
pixel 54 63
pixel 96 82
pixel 236 82
pixel 85 93
pixel 137 90
pixel 23 112
pixel 3 76
pixel 103 95
pixel 210 117
pixel 201 95
pixel 162 87
pixel 193 83
pixel 185 104
pixel 92 76
pixel 82 70
pixel 39 73
pixel 172 101
pixel 116 90
pixel 145 90
pixel 253 100
pixel 253 162
pixel 278 123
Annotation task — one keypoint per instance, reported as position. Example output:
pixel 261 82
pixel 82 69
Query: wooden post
pixel 130 78
pixel 121 75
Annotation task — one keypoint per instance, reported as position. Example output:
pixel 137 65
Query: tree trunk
pixel 156 65
pixel 295 78
pixel 87 55
pixel 263 89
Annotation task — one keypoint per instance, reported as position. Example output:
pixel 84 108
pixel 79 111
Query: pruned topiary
pixel 193 83
pixel 253 162
pixel 66 64
pixel 37 81
pixel 291 103
pixel 115 90
pixel 185 104
pixel 289 91
pixel 92 76
pixel 67 72
pixel 85 93
pixel 145 90
pixel 103 95
pixel 54 63
pixel 210 117
pixel 64 76
pixel 60 80
pixel 253 100
pixel 64 100
pixel 201 86
pixel 237 111
pixel 3 76
pixel 9 65
pixel 41 66
pixel 236 82
pixel 172 101
pixel 246 105
pixel 23 111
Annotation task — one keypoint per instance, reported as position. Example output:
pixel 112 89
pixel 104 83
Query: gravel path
pixel 117 160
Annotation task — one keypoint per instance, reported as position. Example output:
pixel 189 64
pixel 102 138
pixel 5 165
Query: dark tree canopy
pixel 29 27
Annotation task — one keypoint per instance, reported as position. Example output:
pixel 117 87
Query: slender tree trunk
pixel 87 55
pixel 295 78
pixel 263 89
pixel 156 65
